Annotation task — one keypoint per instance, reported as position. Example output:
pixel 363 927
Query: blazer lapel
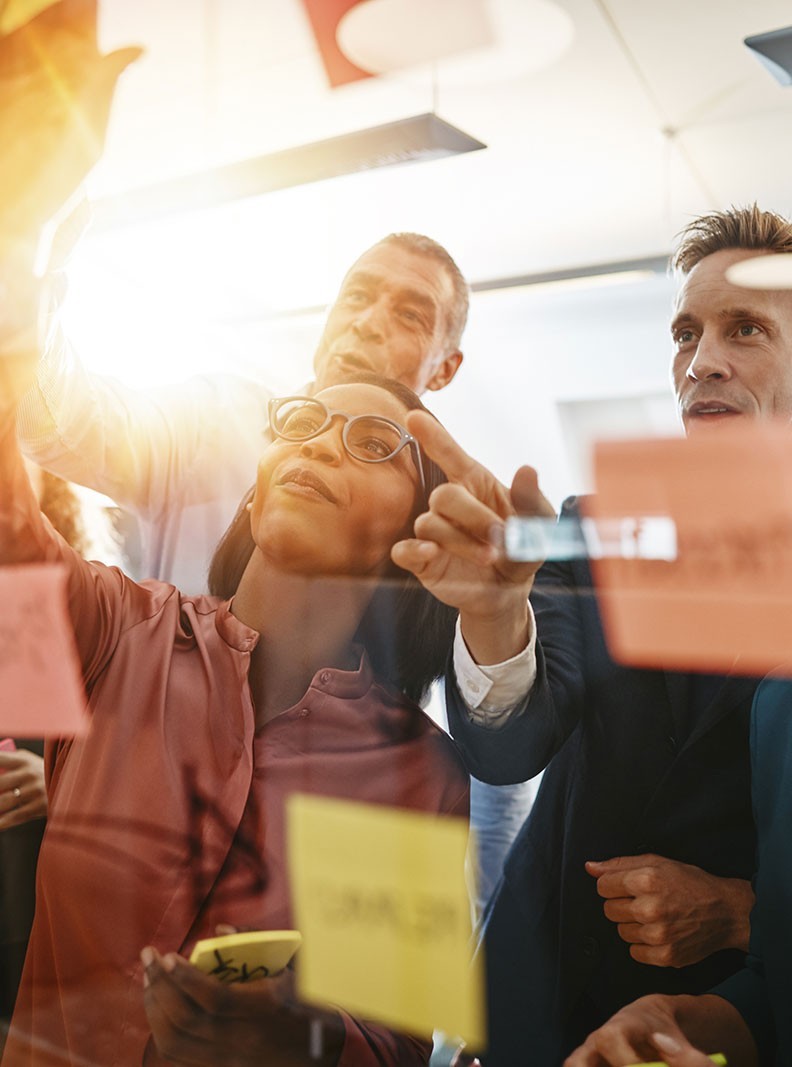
pixel 732 692
pixel 677 687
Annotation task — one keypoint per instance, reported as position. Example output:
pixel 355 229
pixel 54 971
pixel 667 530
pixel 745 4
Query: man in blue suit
pixel 632 874
pixel 748 1015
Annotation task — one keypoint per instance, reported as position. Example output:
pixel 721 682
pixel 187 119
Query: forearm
pixel 78 426
pixel 21 528
pixel 22 533
pixel 519 748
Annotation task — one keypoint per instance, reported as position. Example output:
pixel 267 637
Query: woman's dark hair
pixel 407 633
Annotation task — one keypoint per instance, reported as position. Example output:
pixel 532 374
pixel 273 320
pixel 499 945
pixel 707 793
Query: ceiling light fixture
pixel 774 51
pixel 382 36
pixel 416 139
pixel 618 272
pixel 466 42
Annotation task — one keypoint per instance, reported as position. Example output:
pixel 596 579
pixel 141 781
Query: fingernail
pixel 147 956
pixel 169 962
pixel 666 1044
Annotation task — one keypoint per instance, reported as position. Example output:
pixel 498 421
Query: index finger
pixel 439 445
pixel 458 466
pixel 623 884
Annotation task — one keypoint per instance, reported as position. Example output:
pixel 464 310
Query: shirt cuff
pixel 493 693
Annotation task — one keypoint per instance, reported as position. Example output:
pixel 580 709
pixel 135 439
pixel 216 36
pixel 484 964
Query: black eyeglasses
pixel 369 438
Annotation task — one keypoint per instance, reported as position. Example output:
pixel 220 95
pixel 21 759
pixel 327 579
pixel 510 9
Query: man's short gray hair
pixel 425 246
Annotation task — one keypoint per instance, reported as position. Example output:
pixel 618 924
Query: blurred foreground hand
pixel 56 89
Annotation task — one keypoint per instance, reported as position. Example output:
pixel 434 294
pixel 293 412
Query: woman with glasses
pixel 300 675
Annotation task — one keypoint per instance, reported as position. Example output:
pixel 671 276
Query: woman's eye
pixel 376 446
pixel 301 425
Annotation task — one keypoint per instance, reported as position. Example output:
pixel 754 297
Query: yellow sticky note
pixel 381 902
pixel 723 601
pixel 15 13
pixel 717 1058
pixel 41 687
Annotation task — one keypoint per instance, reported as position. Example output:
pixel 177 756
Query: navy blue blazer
pixel 762 992
pixel 634 766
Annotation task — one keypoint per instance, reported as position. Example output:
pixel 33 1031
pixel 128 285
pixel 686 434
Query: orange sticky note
pixel 724 601
pixel 41 688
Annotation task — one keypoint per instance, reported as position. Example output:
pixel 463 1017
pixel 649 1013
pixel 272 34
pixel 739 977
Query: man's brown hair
pixel 738 227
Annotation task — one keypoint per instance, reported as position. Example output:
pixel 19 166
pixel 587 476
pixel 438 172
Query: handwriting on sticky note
pixel 41 690
pixel 15 13
pixel 380 898
pixel 724 602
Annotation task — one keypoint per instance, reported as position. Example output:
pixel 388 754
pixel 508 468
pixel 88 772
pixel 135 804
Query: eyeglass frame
pixel 405 437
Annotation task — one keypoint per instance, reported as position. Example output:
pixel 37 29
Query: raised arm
pixel 55 94
pixel 98 596
pixel 453 555
pixel 143 448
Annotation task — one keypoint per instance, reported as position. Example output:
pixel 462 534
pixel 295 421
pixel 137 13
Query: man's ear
pixel 446 370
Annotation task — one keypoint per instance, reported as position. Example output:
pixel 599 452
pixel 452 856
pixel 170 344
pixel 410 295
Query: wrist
pixel 741 901
pixel 495 638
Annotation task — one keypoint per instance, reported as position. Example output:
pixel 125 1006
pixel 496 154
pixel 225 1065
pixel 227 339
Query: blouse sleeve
pixel 102 601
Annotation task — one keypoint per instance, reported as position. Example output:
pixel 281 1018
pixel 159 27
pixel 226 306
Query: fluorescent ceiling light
pixel 619 272
pixel 587 281
pixel 416 139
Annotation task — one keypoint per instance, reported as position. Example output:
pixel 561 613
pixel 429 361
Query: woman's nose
pixel 327 446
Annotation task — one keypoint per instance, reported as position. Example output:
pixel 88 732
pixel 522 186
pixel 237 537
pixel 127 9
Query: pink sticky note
pixel 41 688
pixel 724 603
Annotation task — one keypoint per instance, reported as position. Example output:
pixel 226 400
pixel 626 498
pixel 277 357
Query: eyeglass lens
pixel 367 437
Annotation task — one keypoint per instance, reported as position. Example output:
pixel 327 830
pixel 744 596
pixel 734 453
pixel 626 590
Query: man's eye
pixel 747 329
pixel 412 316
pixel 355 296
pixel 683 337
